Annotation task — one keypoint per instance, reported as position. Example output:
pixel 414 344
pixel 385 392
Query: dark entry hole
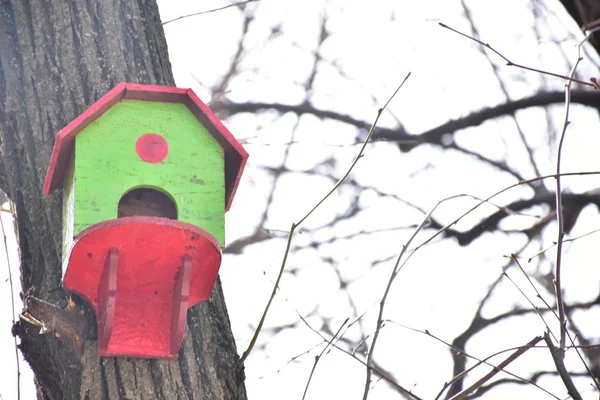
pixel 147 202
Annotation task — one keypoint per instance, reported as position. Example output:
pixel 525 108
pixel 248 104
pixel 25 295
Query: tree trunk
pixel 57 58
pixel 587 15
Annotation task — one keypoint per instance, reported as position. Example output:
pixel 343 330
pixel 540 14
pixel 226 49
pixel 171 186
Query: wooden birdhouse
pixel 148 173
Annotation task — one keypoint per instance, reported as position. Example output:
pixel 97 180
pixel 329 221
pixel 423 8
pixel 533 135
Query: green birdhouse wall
pixel 107 166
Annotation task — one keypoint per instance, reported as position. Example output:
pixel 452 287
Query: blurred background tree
pixel 301 86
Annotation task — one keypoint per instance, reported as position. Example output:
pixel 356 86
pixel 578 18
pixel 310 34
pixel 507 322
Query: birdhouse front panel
pixel 150 145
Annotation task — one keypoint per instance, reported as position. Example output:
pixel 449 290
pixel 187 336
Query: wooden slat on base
pixel 181 294
pixel 106 299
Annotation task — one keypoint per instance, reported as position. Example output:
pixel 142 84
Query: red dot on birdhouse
pixel 152 148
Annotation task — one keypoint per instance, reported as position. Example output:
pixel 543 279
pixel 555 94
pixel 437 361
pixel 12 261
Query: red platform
pixel 140 275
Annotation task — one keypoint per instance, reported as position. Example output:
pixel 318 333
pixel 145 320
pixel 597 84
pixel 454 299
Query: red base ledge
pixel 140 275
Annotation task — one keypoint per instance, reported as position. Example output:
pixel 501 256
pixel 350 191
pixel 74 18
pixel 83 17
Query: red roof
pixel 235 155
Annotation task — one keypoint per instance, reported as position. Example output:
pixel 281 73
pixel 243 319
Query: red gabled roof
pixel 235 155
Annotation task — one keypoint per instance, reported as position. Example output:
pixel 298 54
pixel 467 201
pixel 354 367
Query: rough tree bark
pixel 56 58
pixel 587 15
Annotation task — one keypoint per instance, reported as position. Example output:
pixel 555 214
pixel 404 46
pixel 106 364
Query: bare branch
pixel 504 89
pixel 296 225
pixel 560 302
pixel 431 136
pixel 512 64
pixel 241 3
pixel 520 351
pixel 571 202
pixel 318 357
pixel 557 356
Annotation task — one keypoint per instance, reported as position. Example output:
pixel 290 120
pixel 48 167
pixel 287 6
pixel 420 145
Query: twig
pixel 352 354
pixel 537 292
pixel 318 357
pixel 480 361
pixel 395 271
pixel 559 210
pixel 504 89
pixel 578 351
pixel 557 356
pixel 497 369
pixel 512 64
pixel 241 3
pixel 12 303
pixel 507 188
pixel 399 266
pixel 446 227
pixel 564 241
pixel 296 225
pixel 533 306
pixel 571 339
pixel 433 136
pixel 477 324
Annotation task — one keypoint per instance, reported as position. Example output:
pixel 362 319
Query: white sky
pixel 372 46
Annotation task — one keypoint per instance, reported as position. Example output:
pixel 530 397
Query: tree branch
pixel 572 204
pixel 557 356
pixel 432 136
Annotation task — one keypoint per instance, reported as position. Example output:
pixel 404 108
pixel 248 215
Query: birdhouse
pixel 147 174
